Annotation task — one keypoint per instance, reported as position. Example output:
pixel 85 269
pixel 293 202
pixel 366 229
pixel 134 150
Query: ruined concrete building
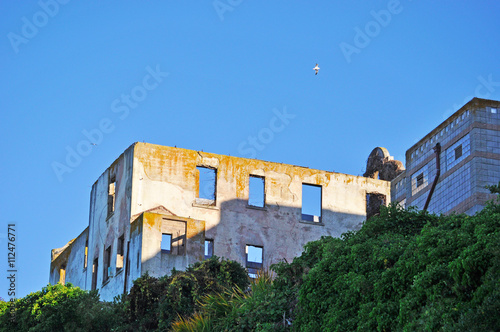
pixel 464 151
pixel 158 207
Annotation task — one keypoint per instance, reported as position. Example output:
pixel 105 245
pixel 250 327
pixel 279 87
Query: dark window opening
pixel 458 152
pixel 209 248
pixel 120 250
pixel 254 260
pixel 95 267
pixel 128 258
pixel 420 179
pixel 111 195
pixel 373 203
pixel 107 262
pixel 127 269
pixel 207 185
pixel 166 243
pixel 256 191
pixel 311 202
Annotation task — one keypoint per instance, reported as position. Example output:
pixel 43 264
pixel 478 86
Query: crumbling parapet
pixel 380 165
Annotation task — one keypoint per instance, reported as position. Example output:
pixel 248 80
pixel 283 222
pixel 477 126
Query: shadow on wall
pixel 255 236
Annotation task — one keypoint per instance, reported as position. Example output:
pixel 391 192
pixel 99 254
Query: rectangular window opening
pixel 107 262
pixel 111 195
pixel 120 249
pixel 127 269
pixel 373 203
pixel 458 152
pixel 166 243
pixel 420 179
pixel 254 260
pixel 209 248
pixel 256 191
pixel 95 267
pixel 311 202
pixel 173 240
pixel 206 185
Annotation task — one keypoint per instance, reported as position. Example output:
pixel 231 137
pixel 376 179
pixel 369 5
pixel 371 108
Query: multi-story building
pixel 469 160
pixel 158 207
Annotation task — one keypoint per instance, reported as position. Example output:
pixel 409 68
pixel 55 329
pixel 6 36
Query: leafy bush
pixel 154 303
pixel 57 308
pixel 185 289
pixel 141 305
pixel 197 322
pixel 405 270
pixel 260 308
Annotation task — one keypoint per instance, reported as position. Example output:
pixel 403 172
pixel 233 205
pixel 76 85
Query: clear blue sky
pixel 390 72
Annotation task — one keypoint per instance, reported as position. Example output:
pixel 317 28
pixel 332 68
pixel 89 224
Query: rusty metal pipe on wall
pixel 437 150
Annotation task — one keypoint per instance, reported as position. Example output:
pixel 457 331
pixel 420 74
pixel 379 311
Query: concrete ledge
pixel 211 207
pixel 256 207
pixel 311 223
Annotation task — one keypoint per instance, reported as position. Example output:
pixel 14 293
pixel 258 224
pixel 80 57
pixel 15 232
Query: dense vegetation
pixel 405 270
pixel 152 304
pixel 155 303
pixel 57 308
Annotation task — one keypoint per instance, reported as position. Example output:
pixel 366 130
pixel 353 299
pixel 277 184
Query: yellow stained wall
pixel 166 176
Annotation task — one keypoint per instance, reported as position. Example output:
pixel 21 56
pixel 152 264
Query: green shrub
pixel 260 308
pixel 154 303
pixel 57 308
pixel 405 270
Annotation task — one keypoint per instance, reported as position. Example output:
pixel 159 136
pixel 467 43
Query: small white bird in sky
pixel 316 69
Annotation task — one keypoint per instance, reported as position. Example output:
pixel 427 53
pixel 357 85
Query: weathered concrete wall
pixel 167 177
pixel 134 251
pixel 158 263
pixel 72 258
pixel 105 228
pixel 156 188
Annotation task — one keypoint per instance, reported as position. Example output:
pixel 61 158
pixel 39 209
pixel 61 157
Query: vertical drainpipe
pixel 437 150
